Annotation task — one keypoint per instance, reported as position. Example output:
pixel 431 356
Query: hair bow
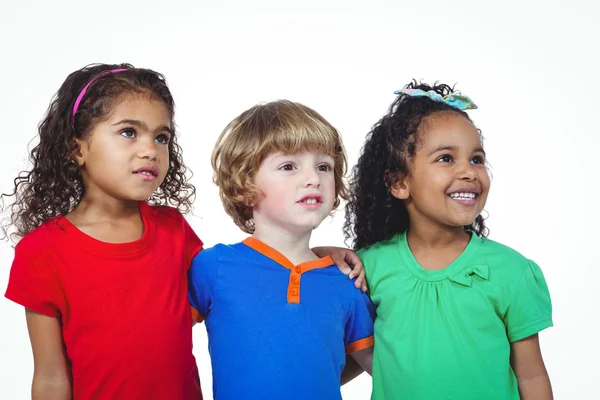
pixel 454 100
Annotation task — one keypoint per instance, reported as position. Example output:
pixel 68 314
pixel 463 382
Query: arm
pixel 343 258
pixel 359 338
pixel 351 370
pixel 202 277
pixel 526 360
pixel 51 374
pixel 364 358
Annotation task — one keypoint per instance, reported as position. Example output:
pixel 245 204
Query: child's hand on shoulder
pixel 347 261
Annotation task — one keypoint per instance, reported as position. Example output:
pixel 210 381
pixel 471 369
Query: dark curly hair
pixel 53 186
pixel 372 213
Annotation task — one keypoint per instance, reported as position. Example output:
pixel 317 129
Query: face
pixel 297 191
pixel 126 155
pixel 449 183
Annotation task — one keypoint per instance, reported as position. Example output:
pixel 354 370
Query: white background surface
pixel 530 65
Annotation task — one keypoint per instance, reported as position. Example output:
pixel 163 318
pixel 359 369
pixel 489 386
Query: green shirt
pixel 446 334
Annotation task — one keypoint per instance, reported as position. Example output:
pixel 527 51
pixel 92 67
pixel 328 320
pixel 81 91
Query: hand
pixel 343 258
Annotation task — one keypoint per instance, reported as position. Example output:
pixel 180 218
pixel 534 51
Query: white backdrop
pixel 531 66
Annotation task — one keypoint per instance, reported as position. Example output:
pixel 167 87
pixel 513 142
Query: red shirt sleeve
pixel 33 284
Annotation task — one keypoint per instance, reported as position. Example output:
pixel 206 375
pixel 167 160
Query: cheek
pixel 484 178
pixel 329 188
pixel 113 151
pixel 273 202
pixel 432 181
pixel 164 152
pixel 108 159
pixel 165 159
pixel 275 192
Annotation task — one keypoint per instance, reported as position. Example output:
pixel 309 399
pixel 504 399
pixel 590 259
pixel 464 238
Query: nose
pixel 147 149
pixel 311 178
pixel 467 172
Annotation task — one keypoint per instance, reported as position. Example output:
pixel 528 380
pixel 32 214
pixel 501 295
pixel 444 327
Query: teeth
pixel 310 201
pixel 145 172
pixel 463 196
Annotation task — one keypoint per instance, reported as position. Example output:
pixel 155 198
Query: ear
pixel 78 152
pixel 256 197
pixel 250 195
pixel 251 202
pixel 400 189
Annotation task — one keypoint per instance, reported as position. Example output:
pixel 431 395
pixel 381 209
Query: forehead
pixel 302 154
pixel 449 129
pixel 142 107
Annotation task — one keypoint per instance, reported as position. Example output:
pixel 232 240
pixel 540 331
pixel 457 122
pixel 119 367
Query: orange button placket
pixel 296 271
pixel 294 285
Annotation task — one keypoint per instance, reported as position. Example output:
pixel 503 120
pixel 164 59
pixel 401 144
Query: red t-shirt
pixel 126 319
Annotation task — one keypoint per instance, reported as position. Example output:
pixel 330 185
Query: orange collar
pixel 282 260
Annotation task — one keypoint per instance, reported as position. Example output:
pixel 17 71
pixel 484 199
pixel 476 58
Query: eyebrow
pixel 453 148
pixel 142 125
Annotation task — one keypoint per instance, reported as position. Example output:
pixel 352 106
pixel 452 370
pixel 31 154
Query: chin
pixel 141 197
pixel 307 227
pixel 462 224
pixel 457 222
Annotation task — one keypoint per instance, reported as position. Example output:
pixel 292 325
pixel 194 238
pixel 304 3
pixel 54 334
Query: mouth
pixel 150 172
pixel 311 200
pixel 465 197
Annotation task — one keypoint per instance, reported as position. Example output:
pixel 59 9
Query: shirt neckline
pixel 282 260
pixel 459 264
pixel 91 244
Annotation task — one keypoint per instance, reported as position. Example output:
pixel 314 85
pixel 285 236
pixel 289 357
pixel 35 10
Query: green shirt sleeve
pixel 531 309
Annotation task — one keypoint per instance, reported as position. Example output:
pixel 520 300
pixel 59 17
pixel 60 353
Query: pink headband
pixel 84 90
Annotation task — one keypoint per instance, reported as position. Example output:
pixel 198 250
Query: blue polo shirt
pixel 276 330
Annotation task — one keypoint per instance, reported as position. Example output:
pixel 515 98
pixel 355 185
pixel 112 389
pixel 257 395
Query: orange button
pixel 295 280
pixel 294 292
pixel 298 270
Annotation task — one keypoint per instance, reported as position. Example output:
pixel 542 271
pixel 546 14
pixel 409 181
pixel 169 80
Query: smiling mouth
pixel 463 196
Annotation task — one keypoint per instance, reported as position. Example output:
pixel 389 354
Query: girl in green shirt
pixel 457 314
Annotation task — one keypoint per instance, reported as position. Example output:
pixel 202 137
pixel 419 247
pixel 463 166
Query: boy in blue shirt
pixel 280 320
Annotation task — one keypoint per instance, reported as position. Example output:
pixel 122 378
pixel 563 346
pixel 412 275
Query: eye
pixel 163 138
pixel 324 168
pixel 478 160
pixel 446 158
pixel 287 167
pixel 129 133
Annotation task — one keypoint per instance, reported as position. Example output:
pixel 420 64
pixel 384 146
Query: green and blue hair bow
pixel 454 100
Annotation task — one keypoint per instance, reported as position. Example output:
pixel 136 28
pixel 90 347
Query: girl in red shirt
pixel 101 265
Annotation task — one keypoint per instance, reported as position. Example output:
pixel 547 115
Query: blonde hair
pixel 279 126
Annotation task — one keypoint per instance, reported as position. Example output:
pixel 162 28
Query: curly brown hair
pixel 53 186
pixel 264 129
pixel 372 213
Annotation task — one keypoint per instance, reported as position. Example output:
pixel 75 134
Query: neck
pixel 294 246
pixel 429 236
pixel 104 208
